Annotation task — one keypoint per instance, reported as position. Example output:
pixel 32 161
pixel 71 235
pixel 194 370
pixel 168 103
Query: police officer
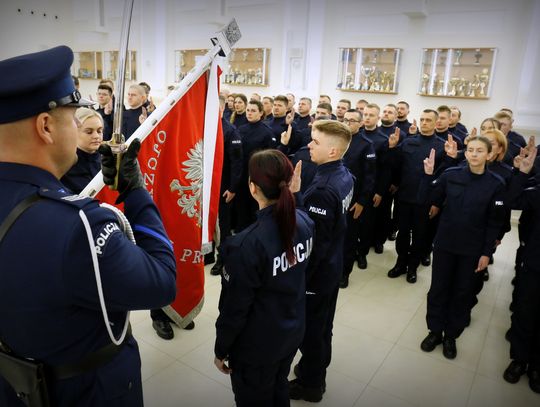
pixel 525 331
pixel 473 200
pixel 361 160
pixel 51 309
pixel 327 200
pixel 230 181
pixel 262 302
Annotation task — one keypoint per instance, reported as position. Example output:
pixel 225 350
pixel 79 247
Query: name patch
pixel 318 211
pixel 301 253
pixel 103 237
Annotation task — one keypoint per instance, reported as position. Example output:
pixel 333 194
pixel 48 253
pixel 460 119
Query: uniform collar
pixel 29 174
pixel 329 166
pixel 261 213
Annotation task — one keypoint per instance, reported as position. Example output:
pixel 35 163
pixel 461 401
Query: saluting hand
pixel 393 140
pixel 414 128
pixel 296 180
pixel 108 108
pixel 357 209
pixel 286 136
pixel 482 264
pixel 143 115
pixel 222 366
pixel 450 147
pixel 527 157
pixel 429 163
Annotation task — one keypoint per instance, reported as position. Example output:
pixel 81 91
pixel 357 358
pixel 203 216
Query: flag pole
pixel 223 43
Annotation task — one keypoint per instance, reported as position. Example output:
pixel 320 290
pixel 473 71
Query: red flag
pixel 172 162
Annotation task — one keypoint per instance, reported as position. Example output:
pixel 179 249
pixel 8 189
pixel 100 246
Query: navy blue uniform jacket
pixel 327 200
pixel 49 306
pixel 84 170
pixel 383 172
pixel 232 158
pixel 361 161
pixel 130 121
pixel 262 304
pixel 473 210
pixel 107 122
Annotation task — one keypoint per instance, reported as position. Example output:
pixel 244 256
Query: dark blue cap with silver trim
pixel 35 83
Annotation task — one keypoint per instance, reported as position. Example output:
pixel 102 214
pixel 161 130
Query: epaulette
pixel 440 138
pixel 65 197
pixel 451 169
pixel 498 177
pixel 506 166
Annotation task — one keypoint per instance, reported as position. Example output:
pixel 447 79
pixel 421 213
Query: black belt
pixel 90 362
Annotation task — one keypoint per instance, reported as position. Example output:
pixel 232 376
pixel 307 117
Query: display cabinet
pixel 87 65
pixel 457 72
pixel 373 70
pixel 185 60
pixel 248 67
pixel 110 64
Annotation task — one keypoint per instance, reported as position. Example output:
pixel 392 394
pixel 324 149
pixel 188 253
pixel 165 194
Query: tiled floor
pixel 377 360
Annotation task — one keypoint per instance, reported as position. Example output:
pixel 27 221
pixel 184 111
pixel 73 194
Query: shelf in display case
pixel 185 61
pixel 110 63
pixel 370 70
pixel 457 72
pixel 247 67
pixel 87 65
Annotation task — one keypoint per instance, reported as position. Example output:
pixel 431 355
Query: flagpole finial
pixel 227 37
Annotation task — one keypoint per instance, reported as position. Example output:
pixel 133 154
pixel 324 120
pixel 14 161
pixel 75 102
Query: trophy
pixel 477 56
pixel 459 54
pixel 425 81
pixel 182 61
pixel 245 54
pixel 432 89
pixel 454 81
pixel 375 56
pixel 462 86
pixel 484 78
pixel 259 76
pixel 440 87
pixel 366 71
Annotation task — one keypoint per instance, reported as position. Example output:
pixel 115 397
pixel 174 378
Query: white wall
pixel 304 37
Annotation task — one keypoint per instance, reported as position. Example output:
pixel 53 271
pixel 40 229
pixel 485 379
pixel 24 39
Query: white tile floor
pixel 377 359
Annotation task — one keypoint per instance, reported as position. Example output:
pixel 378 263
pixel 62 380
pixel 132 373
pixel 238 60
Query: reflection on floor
pixel 377 360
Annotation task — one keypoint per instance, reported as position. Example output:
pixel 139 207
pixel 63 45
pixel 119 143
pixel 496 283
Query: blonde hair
pixel 335 129
pixel 501 140
pixel 83 113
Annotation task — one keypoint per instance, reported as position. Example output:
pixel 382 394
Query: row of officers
pixel 280 272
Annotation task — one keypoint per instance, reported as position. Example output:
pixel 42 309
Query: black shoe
pixel 511 306
pixel 426 261
pixel 300 392
pixel 189 326
pixel 507 335
pixel 397 271
pixel 490 260
pixel 209 258
pixel 296 371
pixel 379 248
pixel 344 282
pixel 411 276
pixel 513 282
pixel 514 371
pixel 485 275
pixel 392 236
pixel 362 262
pixel 534 380
pixel 449 348
pixel 163 329
pixel 216 269
pixel 431 341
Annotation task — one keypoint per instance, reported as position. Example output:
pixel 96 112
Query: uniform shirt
pixel 473 209
pixel 361 161
pixel 515 142
pixel 444 136
pixel 408 164
pixel 49 306
pixel 254 136
pixel 239 120
pixel 232 158
pixel 527 198
pixel 327 200
pixel 383 171
pixel 262 303
pixel 458 132
pixel 302 122
pixel 391 129
pixel 84 170
pixel 506 172
pixel 107 123
pixel 130 121
pixel 403 125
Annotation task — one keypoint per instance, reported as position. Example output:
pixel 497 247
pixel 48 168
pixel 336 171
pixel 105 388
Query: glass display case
pixel 372 70
pixel 110 64
pixel 248 67
pixel 457 72
pixel 87 65
pixel 185 60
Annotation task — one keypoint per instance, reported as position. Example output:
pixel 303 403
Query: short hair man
pixel 303 118
pixel 515 140
pixel 137 113
pixel 443 123
pixel 455 126
pixel 268 106
pixel 106 109
pixel 361 104
pixel 402 121
pixel 51 245
pixel 327 199
pixel 342 106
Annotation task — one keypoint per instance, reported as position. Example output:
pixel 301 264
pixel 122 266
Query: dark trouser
pixel 316 347
pixel 452 287
pixel 159 315
pixel 265 386
pixel 525 332
pixel 383 220
pixel 350 244
pixel 395 212
pixel 412 234
pixel 366 230
pixel 224 220
pixel 245 208
pixel 432 226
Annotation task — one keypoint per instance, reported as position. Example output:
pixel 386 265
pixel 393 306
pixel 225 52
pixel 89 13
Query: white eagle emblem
pixel 190 196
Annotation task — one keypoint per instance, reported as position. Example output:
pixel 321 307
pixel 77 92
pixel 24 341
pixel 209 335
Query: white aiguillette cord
pixel 126 227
